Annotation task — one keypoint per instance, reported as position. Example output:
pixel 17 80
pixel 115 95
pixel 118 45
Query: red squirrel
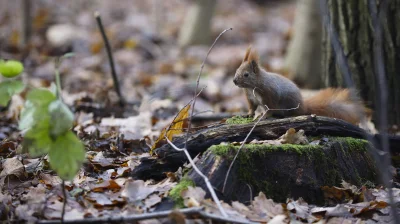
pixel 278 92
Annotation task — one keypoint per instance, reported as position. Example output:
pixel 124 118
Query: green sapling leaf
pixel 61 118
pixel 66 155
pixel 38 138
pixel 41 97
pixel 8 89
pixel 36 108
pixel 68 55
pixel 11 68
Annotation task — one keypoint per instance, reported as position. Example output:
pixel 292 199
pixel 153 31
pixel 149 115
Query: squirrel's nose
pixel 234 81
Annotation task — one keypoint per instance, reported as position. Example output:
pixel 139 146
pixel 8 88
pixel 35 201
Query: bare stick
pixel 183 108
pixel 110 58
pixel 206 180
pixel 197 85
pixel 379 66
pixel 209 186
pixel 26 22
pixel 137 217
pixel 248 135
pixel 65 200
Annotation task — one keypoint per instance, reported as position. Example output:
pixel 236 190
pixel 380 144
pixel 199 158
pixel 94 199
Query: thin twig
pixel 195 211
pixel 346 74
pixel 65 200
pixel 197 84
pixel 206 180
pixel 57 63
pixel 248 135
pixel 209 186
pixel 128 218
pixel 187 118
pixel 251 193
pixel 170 125
pixel 26 22
pixel 110 58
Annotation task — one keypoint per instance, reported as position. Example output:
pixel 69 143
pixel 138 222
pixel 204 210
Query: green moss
pixel 226 150
pixel 354 144
pixel 176 191
pixel 239 120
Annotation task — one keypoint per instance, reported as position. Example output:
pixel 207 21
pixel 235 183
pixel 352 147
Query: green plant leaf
pixel 11 68
pixel 37 139
pixel 66 155
pixel 41 97
pixel 68 55
pixel 27 119
pixel 53 88
pixel 32 115
pixel 61 118
pixel 9 88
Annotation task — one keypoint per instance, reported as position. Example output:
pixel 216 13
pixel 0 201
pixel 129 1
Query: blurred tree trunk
pixel 352 21
pixel 197 24
pixel 304 52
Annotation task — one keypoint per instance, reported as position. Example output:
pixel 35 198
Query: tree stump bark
pixel 287 170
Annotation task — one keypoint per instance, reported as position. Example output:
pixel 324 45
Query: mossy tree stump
pixel 280 171
pixel 169 160
pixel 286 171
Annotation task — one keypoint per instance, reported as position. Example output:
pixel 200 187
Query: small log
pixel 169 160
pixel 287 170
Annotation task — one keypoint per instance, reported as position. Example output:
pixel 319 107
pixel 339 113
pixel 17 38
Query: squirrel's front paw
pixel 248 115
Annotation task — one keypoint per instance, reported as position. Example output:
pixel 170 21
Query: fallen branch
pixel 137 217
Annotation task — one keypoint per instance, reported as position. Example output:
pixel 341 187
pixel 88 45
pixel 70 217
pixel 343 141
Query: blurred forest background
pixel 156 48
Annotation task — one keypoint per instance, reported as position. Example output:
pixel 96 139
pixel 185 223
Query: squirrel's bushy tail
pixel 337 103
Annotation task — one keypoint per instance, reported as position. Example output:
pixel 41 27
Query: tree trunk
pixel 302 59
pixel 352 22
pixel 197 26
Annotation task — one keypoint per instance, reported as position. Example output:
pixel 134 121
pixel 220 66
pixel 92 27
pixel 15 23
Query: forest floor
pixel 157 79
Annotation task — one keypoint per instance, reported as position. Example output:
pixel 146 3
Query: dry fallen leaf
pixel 12 166
pixel 293 137
pixel 176 128
pixel 13 170
pixel 193 196
pixel 136 190
pixel 268 207
pixel 106 185
pixel 152 200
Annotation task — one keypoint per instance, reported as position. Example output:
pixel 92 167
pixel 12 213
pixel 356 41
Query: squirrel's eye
pixel 246 74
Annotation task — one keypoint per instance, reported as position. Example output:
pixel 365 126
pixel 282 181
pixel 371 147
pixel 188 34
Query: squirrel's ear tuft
pixel 253 59
pixel 253 56
pixel 246 56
